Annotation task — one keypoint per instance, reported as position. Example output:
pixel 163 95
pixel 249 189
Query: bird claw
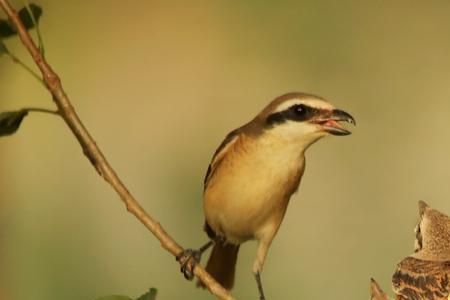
pixel 188 259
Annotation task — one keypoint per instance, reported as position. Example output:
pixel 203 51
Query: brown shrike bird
pixel 252 176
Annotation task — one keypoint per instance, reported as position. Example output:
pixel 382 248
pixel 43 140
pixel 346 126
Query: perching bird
pixel 425 274
pixel 252 176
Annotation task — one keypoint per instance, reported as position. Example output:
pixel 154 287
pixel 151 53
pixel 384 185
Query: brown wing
pixel 215 162
pixel 218 155
pixel 417 279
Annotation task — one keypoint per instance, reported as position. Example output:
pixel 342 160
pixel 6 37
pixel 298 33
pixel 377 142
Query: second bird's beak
pixel 330 121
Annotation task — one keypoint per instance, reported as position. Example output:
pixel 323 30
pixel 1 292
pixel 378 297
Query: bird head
pixel 303 118
pixel 432 234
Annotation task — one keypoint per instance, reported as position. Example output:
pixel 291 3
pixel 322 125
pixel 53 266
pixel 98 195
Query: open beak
pixel 330 122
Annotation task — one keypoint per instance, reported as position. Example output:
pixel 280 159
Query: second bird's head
pixel 302 118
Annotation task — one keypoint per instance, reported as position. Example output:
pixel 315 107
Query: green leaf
pixel 114 297
pixel 150 295
pixel 27 20
pixel 10 121
pixel 7 29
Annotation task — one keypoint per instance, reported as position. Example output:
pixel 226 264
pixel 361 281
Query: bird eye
pixel 299 109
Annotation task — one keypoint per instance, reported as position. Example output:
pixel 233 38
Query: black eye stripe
pixel 297 112
pixel 275 118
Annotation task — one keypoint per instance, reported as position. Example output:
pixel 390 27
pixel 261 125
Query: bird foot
pixel 260 288
pixel 188 259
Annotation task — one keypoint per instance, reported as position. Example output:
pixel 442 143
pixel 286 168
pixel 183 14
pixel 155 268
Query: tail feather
pixel 222 264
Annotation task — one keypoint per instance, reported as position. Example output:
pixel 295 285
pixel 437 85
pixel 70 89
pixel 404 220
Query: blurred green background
pixel 160 83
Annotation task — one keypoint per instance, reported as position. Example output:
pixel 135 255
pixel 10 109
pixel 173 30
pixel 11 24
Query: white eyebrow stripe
pixel 315 103
pixel 285 105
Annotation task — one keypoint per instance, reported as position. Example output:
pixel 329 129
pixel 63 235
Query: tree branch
pixel 95 155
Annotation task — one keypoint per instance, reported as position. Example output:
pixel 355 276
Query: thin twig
pixel 17 60
pixel 42 110
pixel 96 157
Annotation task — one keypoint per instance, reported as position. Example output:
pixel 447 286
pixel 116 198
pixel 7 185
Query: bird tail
pixel 221 264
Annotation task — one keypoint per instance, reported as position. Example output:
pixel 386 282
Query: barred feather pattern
pixel 416 279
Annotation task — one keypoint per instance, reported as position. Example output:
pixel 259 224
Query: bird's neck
pixel 286 145
pixel 275 152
